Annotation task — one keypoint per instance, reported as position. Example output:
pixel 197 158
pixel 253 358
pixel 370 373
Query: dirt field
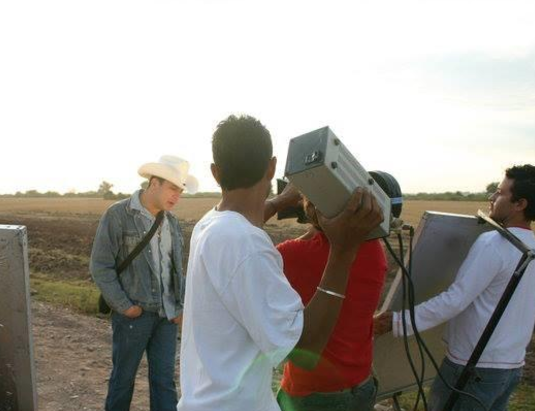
pixel 187 208
pixel 194 208
pixel 60 239
pixel 73 350
pixel 61 230
pixel 73 360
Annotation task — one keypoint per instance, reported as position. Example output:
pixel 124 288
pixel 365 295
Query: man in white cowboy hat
pixel 147 297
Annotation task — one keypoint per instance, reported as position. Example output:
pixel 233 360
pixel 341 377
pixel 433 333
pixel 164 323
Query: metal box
pixel 17 372
pixel 441 244
pixel 324 170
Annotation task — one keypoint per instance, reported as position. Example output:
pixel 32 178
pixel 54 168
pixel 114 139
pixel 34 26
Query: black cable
pixel 411 304
pixel 404 323
pixel 417 333
pixel 421 393
pixel 419 380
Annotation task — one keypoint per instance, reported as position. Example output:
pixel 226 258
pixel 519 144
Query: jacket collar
pixel 131 205
pixel 133 210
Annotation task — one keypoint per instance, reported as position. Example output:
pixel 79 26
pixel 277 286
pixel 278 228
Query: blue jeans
pixel 359 398
pixel 493 386
pixel 131 338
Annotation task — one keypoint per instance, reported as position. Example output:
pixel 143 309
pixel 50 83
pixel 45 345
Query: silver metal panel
pixel 324 170
pixel 441 243
pixel 17 372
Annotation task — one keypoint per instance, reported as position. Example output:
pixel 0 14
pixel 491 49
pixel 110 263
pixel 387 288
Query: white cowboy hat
pixel 172 169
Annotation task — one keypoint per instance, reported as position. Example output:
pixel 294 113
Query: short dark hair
pixel 242 149
pixel 523 187
pixel 161 180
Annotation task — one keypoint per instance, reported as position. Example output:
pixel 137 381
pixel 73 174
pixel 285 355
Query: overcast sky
pixel 441 94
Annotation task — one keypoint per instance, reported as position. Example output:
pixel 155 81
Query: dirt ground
pixel 73 351
pixel 61 246
pixel 194 208
pixel 73 354
pixel 73 361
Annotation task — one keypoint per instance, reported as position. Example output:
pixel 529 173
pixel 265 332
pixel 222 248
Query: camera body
pixel 296 212
pixel 326 172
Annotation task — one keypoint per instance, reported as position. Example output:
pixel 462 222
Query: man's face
pixel 167 194
pixel 501 205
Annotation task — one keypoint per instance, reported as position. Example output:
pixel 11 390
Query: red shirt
pixel 346 360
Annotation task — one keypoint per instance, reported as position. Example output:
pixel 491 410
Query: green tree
pixel 32 193
pixel 104 190
pixel 491 188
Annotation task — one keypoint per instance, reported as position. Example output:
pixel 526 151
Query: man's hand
pixel 177 320
pixel 349 228
pixel 382 323
pixel 290 197
pixel 133 312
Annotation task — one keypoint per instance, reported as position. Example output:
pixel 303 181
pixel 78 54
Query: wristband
pixel 323 290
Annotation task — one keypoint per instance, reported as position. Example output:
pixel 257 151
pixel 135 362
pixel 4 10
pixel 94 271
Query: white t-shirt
pixel 241 317
pixel 470 301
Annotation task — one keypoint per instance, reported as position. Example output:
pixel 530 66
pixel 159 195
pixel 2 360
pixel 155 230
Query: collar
pixel 525 227
pixel 135 201
pixel 135 204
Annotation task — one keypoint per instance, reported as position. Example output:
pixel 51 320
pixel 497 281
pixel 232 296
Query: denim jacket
pixel 120 230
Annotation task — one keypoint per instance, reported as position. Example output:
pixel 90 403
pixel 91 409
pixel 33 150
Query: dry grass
pixel 413 210
pixel 194 208
pixel 53 205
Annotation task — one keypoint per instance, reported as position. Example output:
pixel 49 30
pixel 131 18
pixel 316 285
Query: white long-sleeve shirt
pixel 469 302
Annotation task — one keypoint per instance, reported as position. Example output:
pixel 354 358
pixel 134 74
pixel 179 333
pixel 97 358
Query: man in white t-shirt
pixel 241 317
pixel 469 302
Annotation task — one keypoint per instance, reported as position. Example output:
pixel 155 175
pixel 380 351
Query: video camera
pixel 324 170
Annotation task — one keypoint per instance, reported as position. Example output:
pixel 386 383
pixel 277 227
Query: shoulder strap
pixel 142 243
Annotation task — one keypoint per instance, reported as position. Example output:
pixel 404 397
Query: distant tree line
pixel 104 191
pixel 447 196
pixel 455 195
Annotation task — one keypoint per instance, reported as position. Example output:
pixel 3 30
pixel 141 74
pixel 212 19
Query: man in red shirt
pixel 342 379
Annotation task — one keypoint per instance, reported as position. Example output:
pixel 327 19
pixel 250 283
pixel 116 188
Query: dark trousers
pixel 131 338
pixel 358 398
pixel 493 387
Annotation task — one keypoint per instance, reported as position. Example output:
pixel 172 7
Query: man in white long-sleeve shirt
pixel 469 302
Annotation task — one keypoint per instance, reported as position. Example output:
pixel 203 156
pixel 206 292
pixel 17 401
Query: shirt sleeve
pixel 103 261
pixel 263 302
pixel 478 270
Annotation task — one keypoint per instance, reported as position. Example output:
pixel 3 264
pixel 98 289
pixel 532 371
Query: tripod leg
pixel 395 400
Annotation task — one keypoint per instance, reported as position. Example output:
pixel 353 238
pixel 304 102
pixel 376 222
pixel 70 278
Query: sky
pixel 440 94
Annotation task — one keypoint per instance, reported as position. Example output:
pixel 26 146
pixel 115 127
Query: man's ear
pixel 150 184
pixel 272 167
pixel 215 173
pixel 521 204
